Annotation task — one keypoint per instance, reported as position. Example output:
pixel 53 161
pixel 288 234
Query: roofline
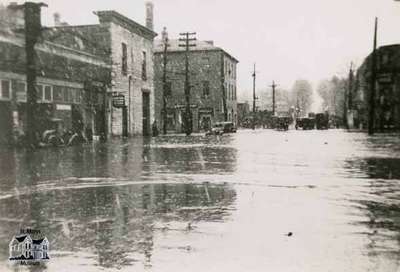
pixel 128 21
pixel 216 49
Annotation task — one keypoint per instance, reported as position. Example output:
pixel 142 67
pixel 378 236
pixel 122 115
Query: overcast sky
pixel 288 39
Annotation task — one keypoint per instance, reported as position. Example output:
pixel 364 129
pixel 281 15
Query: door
pixel 146 113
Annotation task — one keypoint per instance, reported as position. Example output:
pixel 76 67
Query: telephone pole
pixel 273 97
pixel 165 61
pixel 33 29
pixel 187 44
pixel 254 97
pixel 371 117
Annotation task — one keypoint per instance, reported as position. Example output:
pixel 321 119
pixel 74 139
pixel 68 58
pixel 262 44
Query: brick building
pixel 387 97
pixel 212 80
pixel 71 85
pixel 128 46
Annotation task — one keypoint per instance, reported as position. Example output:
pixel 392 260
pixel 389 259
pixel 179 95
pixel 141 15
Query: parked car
pixel 305 123
pixel 283 123
pixel 221 128
pixel 227 127
pixel 322 120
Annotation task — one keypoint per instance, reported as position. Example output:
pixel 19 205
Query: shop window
pixel 20 90
pixel 78 96
pixel 5 89
pixel 47 93
pixel 65 94
pixel 39 92
pixel 58 93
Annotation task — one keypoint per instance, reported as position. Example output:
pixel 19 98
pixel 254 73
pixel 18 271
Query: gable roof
pixel 21 238
pixel 37 242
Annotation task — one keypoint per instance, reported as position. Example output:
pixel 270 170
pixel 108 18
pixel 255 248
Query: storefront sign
pixel 63 107
pixel 119 101
pixel 205 111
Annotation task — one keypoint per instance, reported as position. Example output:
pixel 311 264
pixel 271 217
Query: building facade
pixel 128 46
pixel 212 73
pixel 387 96
pixel 71 85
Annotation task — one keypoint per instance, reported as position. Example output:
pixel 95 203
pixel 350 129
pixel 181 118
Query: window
pixel 206 88
pixel 168 88
pixel 20 90
pixel 65 94
pixel 144 66
pixel 124 59
pixel 78 96
pixel 5 89
pixel 47 93
pixel 57 93
pixel 39 92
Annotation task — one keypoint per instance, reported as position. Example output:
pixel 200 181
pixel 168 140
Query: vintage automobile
pixel 305 123
pixel 221 128
pixel 322 121
pixel 227 127
pixel 282 123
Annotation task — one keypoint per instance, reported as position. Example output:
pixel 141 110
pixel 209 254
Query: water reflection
pixel 115 226
pixel 92 202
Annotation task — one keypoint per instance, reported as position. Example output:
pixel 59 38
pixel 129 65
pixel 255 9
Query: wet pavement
pixel 217 203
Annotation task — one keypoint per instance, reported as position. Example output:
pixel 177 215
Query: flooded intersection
pixel 219 203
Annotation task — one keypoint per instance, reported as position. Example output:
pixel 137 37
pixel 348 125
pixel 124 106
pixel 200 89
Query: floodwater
pixel 217 203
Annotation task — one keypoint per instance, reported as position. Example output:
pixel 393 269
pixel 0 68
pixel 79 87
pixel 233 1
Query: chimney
pixel 57 19
pixel 149 15
pixel 164 35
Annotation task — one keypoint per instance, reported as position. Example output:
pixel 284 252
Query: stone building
pixel 71 84
pixel 387 97
pixel 128 46
pixel 212 80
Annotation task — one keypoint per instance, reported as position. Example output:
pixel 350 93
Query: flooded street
pixel 216 203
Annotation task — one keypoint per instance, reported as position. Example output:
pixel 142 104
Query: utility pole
pixel 187 44
pixel 254 97
pixel 371 117
pixel 33 29
pixel 273 97
pixel 350 92
pixel 165 61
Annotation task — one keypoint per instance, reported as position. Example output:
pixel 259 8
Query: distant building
pixel 387 97
pixel 213 85
pixel 243 113
pixel 128 47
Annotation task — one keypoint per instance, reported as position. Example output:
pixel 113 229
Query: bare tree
pixel 302 95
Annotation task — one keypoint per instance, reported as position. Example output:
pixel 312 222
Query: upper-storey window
pixel 206 89
pixel 144 65
pixel 124 59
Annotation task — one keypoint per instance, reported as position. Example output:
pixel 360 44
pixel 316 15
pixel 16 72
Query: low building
pixel 212 85
pixel 128 46
pixel 71 84
pixel 387 96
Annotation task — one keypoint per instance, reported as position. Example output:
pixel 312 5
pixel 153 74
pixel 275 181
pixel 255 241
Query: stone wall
pixel 136 45
pixel 204 66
